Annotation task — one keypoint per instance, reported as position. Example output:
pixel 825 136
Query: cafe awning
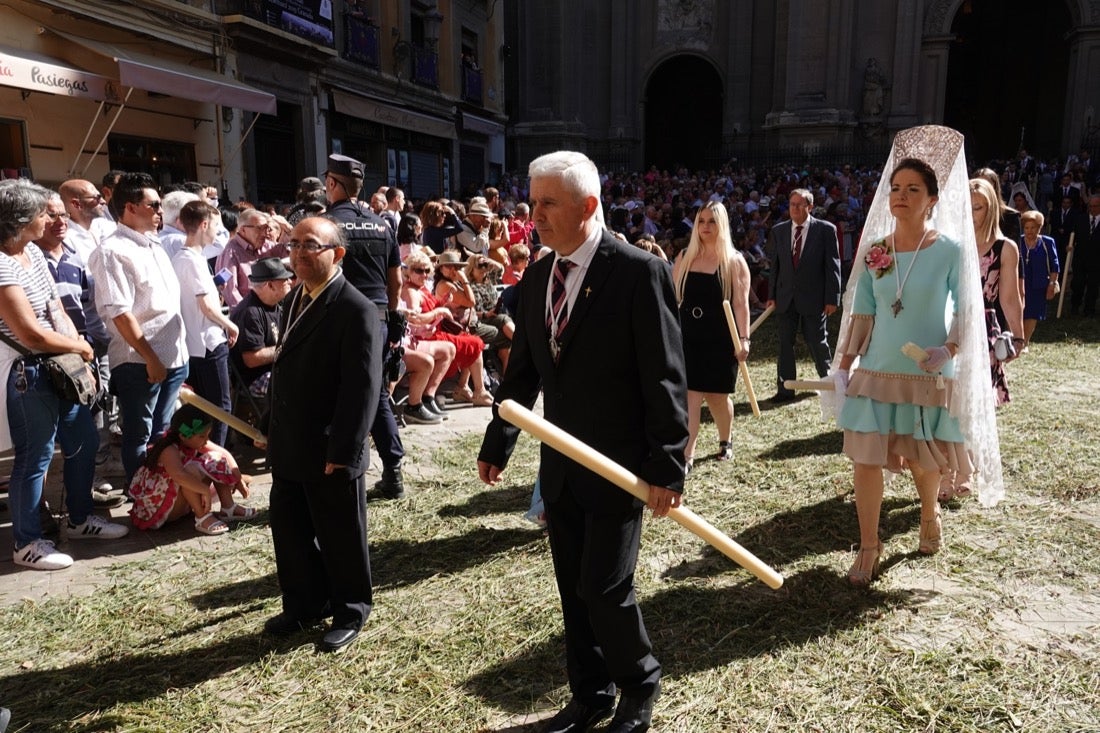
pixel 155 74
pixel 38 73
pixel 366 108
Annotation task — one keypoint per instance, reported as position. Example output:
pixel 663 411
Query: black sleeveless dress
pixel 708 346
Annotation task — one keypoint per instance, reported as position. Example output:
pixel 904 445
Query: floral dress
pixel 154 491
pixel 990 268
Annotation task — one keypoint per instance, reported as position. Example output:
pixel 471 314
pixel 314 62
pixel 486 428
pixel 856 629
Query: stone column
pixel 933 78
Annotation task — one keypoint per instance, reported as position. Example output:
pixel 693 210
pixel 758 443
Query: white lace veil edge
pixel 973 401
pixel 1021 187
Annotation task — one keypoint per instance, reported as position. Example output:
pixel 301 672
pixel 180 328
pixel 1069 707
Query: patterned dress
pixel 155 492
pixel 995 322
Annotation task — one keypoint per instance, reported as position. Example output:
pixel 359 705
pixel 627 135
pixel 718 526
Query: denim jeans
pixel 145 409
pixel 209 377
pixel 37 417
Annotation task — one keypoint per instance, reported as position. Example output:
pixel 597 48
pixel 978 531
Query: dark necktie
pixel 796 255
pixel 559 299
pixel 303 303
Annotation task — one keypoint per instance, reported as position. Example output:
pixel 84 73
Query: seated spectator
pixel 409 232
pixel 440 223
pixel 426 365
pixel 484 274
pixel 518 257
pixel 210 334
pixel 454 290
pixel 474 237
pixel 498 242
pixel 182 475
pixel 257 318
pixel 251 242
pixel 427 319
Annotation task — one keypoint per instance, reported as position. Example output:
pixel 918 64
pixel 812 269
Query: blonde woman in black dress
pixel 709 271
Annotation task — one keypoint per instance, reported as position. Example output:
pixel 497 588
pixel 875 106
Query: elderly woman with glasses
pixel 33 323
pixel 427 320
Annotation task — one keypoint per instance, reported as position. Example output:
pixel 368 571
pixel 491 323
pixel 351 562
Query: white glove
pixel 937 357
pixel 840 380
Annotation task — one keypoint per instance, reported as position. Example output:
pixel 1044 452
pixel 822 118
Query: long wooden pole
pixel 761 318
pixel 1065 272
pixel 249 431
pixel 820 385
pixel 740 364
pixel 595 461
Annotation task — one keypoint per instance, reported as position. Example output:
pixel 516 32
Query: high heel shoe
pixel 689 463
pixel 930 536
pixel 866 567
pixel 725 450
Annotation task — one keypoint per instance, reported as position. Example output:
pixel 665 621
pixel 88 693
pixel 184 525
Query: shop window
pixel 166 161
pixel 13 149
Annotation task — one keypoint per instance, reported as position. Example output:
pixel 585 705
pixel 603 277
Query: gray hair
pixel 805 193
pixel 171 204
pixel 575 170
pixel 21 201
pixel 252 217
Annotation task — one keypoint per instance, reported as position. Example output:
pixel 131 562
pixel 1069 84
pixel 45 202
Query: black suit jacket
pixel 1063 223
pixel 619 384
pixel 325 385
pixel 816 281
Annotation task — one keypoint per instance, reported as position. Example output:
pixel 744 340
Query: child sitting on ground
pixel 182 474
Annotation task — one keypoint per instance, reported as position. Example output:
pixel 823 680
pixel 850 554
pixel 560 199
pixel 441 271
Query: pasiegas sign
pixel 41 76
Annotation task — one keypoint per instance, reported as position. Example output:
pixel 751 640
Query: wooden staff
pixel 1065 272
pixel 822 385
pixel 761 318
pixel 740 364
pixel 596 462
pixel 249 431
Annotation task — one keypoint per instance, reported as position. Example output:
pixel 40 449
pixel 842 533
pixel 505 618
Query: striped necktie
pixel 559 299
pixel 796 255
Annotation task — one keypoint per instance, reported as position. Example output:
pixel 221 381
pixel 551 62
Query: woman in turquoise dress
pixel 895 414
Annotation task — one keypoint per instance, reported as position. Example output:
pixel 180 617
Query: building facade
pixel 252 95
pixel 640 82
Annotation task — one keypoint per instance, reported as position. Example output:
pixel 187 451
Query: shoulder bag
pixel 70 377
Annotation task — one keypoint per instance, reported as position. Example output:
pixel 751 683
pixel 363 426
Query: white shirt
pixel 582 258
pixel 195 281
pixel 133 275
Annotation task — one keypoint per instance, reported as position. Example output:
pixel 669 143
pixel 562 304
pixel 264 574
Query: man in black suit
pixel 324 393
pixel 804 286
pixel 1086 263
pixel 597 330
pixel 1064 221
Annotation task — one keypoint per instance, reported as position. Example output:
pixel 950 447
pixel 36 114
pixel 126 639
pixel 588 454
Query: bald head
pixel 82 201
pixel 316 246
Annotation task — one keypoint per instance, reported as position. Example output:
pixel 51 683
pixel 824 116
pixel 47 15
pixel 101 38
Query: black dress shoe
pixel 783 397
pixel 576 717
pixel 338 639
pixel 634 714
pixel 284 624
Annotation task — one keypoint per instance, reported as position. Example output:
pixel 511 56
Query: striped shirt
pixel 36 281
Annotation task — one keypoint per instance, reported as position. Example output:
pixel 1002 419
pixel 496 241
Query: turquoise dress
pixel 892 405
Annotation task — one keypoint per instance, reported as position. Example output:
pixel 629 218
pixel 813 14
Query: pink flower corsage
pixel 880 258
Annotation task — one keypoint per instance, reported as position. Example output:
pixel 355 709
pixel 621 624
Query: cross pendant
pixel 896 307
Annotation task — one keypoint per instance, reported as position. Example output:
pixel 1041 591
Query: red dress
pixel 468 347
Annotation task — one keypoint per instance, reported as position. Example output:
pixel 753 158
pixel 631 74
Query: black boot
pixel 392 486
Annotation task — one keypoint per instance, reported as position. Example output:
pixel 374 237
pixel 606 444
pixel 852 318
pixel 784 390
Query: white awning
pixel 155 74
pixel 369 109
pixel 37 73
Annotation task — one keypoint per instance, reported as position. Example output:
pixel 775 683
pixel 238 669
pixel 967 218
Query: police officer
pixel 372 265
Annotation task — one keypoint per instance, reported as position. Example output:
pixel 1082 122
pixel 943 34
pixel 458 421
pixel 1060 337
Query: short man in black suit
pixel 1086 263
pixel 804 286
pixel 324 393
pixel 600 336
pixel 1067 220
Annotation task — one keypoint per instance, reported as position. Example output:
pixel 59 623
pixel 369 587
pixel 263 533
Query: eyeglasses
pixel 254 226
pixel 91 196
pixel 54 216
pixel 154 205
pixel 421 270
pixel 311 247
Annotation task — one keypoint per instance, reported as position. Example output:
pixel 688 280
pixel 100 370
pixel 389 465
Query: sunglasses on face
pixel 420 270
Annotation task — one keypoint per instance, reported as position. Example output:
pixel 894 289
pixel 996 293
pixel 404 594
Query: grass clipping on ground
pixel 997 632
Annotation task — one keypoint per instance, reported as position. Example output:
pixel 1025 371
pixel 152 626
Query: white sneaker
pixel 95 528
pixel 41 555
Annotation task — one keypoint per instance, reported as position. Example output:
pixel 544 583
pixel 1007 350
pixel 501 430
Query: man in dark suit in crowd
pixel 1086 263
pixel 324 393
pixel 804 286
pixel 597 326
pixel 1064 221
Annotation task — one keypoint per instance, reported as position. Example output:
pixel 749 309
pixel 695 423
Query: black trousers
pixel 606 644
pixel 383 430
pixel 817 341
pixel 319 530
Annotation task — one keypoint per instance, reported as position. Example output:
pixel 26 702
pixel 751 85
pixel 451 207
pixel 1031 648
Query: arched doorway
pixel 1007 77
pixel 683 114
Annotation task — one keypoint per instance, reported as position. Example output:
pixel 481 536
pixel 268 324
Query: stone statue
pixel 874 89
